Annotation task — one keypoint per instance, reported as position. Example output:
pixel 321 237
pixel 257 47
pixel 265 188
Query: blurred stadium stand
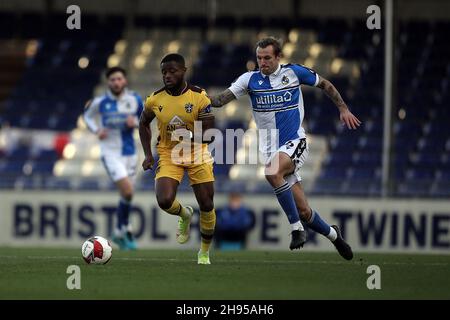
pixel 48 74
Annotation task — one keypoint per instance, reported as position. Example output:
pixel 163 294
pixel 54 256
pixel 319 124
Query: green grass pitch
pixel 32 273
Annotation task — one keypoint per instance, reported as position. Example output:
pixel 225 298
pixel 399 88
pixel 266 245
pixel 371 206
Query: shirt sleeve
pixel 149 103
pixel 140 105
pixel 91 111
pixel 240 86
pixel 204 103
pixel 305 75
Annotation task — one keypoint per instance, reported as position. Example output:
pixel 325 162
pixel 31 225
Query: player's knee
pixel 206 205
pixel 126 191
pixel 127 195
pixel 274 178
pixel 165 201
pixel 304 213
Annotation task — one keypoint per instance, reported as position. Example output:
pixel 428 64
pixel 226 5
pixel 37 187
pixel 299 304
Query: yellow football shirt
pixel 176 112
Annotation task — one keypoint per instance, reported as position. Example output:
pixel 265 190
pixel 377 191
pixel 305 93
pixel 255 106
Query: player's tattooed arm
pixel 331 91
pixel 145 134
pixel 222 99
pixel 346 116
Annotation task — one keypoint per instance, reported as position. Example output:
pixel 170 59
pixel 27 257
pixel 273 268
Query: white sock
pixel 332 235
pixel 118 233
pixel 297 226
pixel 127 228
pixel 184 213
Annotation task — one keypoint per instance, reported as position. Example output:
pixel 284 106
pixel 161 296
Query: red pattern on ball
pixel 98 249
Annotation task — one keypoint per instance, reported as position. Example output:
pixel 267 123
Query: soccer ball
pixel 96 250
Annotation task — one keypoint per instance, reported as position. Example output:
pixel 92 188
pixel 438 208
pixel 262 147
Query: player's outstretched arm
pixel 346 116
pixel 145 134
pixel 222 98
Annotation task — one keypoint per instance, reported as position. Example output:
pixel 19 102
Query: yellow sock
pixel 207 225
pixel 177 209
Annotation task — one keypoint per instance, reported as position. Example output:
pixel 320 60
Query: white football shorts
pixel 298 151
pixel 119 167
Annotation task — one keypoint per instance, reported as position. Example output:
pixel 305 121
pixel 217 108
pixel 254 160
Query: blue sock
pixel 318 225
pixel 123 212
pixel 286 200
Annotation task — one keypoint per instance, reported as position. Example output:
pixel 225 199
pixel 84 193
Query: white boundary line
pixel 234 260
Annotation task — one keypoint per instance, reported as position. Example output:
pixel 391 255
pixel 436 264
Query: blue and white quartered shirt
pixel 110 112
pixel 277 103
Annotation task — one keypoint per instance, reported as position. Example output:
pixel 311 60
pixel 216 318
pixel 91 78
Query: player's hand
pixel 349 119
pixel 102 133
pixel 148 162
pixel 130 122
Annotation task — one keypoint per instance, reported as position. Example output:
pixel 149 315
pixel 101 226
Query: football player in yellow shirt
pixel 177 106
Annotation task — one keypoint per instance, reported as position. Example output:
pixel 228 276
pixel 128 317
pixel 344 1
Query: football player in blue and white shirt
pixel 278 110
pixel 113 118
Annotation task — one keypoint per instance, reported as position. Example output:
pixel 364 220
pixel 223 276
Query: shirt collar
pixel 275 73
pixel 112 96
pixel 185 89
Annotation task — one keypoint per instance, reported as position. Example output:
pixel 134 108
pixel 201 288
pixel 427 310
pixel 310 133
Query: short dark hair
pixel 234 195
pixel 175 57
pixel 112 70
pixel 270 41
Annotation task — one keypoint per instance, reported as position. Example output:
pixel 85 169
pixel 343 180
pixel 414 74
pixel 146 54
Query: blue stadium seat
pixel 57 183
pixel 326 187
pixel 42 167
pixel 221 170
pixel 19 154
pixel 442 189
pixel 338 159
pixel 362 173
pixel 89 184
pixel 415 189
pixel 367 159
pixel 333 173
pixel 357 187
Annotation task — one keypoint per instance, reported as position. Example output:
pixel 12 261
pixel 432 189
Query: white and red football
pixel 96 250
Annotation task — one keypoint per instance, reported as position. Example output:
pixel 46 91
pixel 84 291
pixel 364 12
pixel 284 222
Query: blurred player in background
pixel 234 222
pixel 113 118
pixel 177 106
pixel 277 104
